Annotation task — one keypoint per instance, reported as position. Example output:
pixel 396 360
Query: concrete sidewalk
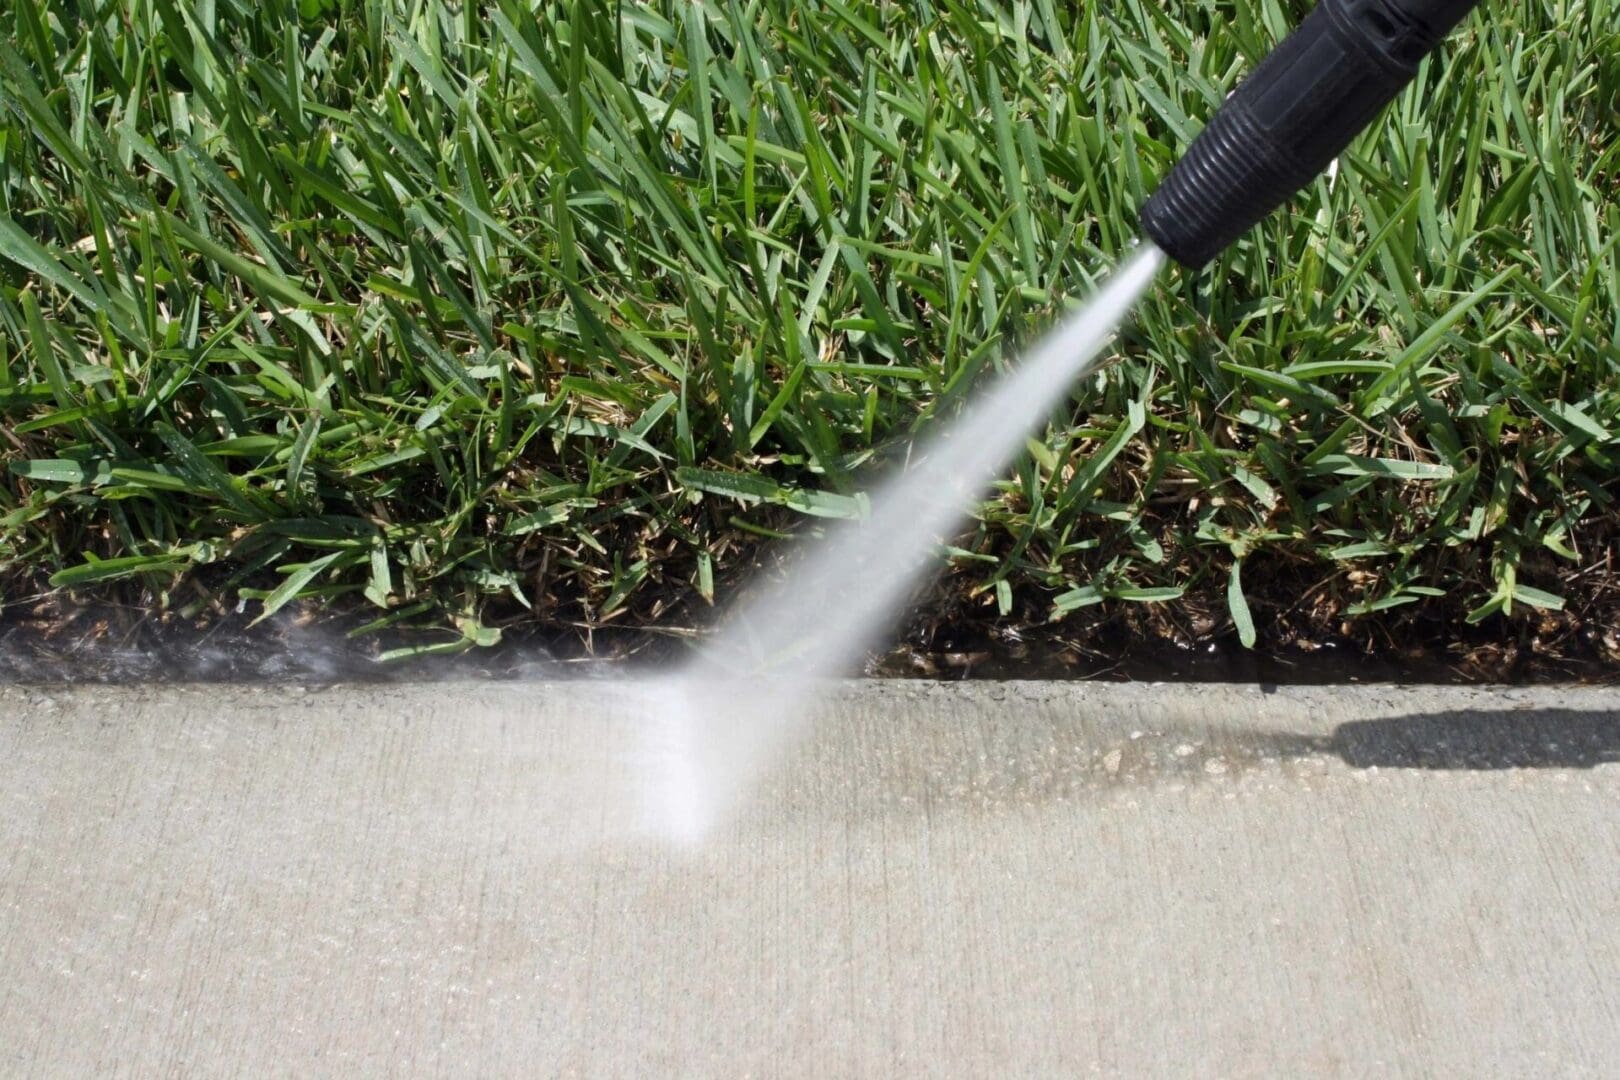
pixel 978 880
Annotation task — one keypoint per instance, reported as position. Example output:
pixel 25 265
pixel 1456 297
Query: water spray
pixel 748 692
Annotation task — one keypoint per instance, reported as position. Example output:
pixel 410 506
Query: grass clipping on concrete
pixel 555 311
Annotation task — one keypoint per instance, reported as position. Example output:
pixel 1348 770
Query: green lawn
pixel 560 309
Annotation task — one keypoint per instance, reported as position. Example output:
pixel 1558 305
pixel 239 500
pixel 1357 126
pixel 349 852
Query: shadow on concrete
pixel 1463 740
pixel 1527 739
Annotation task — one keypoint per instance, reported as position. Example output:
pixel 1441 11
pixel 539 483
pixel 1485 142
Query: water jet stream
pixel 746 697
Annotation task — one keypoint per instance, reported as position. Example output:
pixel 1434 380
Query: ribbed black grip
pixel 1287 121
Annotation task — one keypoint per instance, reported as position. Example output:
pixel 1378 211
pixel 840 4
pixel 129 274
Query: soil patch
pixel 57 642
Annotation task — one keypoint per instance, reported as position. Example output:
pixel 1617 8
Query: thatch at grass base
pixel 552 310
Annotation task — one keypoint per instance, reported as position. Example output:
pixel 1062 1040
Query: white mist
pixel 746 697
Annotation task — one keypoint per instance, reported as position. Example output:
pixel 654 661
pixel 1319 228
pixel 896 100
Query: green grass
pixel 558 309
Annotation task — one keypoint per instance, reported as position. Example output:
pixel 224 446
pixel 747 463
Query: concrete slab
pixel 990 879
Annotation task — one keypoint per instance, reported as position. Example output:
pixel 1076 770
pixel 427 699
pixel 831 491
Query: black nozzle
pixel 1287 121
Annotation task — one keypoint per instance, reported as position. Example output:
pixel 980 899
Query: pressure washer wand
pixel 1292 117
